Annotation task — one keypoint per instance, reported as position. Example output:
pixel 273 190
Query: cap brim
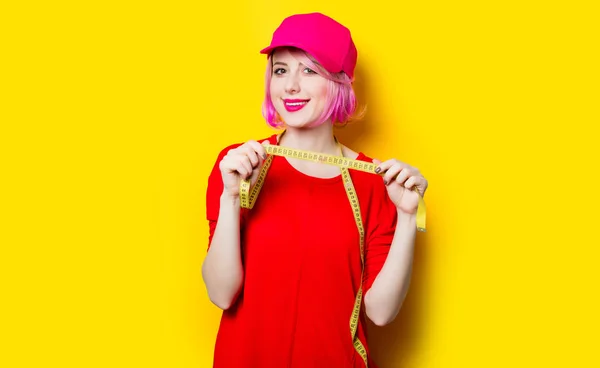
pixel 267 50
pixel 270 48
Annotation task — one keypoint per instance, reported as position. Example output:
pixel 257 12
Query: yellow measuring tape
pixel 248 198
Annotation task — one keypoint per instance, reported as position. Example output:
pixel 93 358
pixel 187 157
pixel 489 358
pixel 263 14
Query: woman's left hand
pixel 400 179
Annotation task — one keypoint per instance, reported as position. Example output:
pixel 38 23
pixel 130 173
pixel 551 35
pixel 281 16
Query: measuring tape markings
pixel 351 192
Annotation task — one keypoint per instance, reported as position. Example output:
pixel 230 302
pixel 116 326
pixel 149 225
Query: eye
pixel 279 71
pixel 309 71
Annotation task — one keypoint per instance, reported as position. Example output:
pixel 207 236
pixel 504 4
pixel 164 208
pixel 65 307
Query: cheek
pixel 276 93
pixel 276 87
pixel 319 88
pixel 321 91
pixel 272 89
pixel 324 92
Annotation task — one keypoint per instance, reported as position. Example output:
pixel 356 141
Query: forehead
pixel 286 54
pixel 293 56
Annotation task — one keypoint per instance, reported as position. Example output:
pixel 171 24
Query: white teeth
pixel 296 103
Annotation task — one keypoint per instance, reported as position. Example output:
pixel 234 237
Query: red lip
pixel 294 104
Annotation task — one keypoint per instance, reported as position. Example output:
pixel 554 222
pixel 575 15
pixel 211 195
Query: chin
pixel 297 121
pixel 298 124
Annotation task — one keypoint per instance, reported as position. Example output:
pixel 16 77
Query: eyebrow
pixel 284 64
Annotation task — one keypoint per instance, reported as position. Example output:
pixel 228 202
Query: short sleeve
pixel 379 235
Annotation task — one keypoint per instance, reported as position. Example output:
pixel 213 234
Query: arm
pixel 385 297
pixel 388 291
pixel 222 268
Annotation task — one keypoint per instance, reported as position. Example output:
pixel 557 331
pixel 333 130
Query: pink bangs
pixel 341 100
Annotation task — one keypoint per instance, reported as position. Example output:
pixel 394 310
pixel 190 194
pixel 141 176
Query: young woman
pixel 298 274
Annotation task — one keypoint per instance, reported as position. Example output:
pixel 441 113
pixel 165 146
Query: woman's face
pixel 298 93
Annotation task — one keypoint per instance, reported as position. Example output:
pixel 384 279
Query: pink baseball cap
pixel 328 41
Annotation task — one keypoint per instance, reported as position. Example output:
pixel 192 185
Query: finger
pixel 252 155
pixel 238 163
pixel 243 170
pixel 228 163
pixel 376 161
pixel 265 144
pixel 250 151
pixel 232 165
pixel 410 182
pixel 416 182
pixel 404 174
pixel 245 160
pixel 420 183
pixel 391 173
pixel 424 187
pixel 386 165
pixel 258 148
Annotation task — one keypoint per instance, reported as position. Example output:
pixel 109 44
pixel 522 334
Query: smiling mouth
pixel 294 105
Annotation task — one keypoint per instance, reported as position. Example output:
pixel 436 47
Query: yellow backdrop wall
pixel 113 113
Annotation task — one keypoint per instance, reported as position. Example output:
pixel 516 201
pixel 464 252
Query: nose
pixel 292 83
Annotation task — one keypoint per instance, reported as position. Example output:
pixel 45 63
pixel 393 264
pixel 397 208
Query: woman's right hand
pixel 240 163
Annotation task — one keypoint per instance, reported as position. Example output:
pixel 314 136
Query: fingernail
pixel 385 182
pixel 377 170
pixel 265 156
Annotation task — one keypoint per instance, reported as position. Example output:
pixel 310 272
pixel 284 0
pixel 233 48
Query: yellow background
pixel 112 113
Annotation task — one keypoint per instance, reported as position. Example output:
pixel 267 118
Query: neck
pixel 317 139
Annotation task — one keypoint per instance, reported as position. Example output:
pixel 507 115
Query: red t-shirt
pixel 302 268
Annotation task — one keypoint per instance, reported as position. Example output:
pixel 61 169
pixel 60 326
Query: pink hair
pixel 341 100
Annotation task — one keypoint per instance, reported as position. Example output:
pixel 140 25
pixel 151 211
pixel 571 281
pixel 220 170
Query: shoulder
pixel 361 156
pixel 372 191
pixel 371 181
pixel 369 184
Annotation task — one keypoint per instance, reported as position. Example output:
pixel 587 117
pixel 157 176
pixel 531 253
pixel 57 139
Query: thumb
pixel 265 144
pixel 376 161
